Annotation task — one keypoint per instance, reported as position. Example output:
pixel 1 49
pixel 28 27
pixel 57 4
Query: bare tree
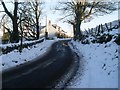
pixel 37 15
pixel 76 11
pixel 26 22
pixel 14 37
pixel 32 10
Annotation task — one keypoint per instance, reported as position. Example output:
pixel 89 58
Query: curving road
pixel 42 72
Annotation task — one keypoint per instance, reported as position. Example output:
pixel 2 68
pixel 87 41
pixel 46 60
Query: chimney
pixel 46 25
pixel 49 22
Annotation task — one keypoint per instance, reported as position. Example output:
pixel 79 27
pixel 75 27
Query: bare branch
pixel 6 10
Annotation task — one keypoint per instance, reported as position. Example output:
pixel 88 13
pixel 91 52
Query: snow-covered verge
pixel 16 58
pixel 101 66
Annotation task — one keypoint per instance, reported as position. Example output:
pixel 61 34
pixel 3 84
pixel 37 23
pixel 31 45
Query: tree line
pixel 25 16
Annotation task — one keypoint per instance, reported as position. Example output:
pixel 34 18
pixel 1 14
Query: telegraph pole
pixel 46 32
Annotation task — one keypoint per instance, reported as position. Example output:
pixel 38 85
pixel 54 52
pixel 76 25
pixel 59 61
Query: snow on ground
pixel 100 65
pixel 15 58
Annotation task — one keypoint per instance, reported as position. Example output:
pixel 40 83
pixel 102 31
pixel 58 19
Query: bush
pixel 117 40
pixel 108 38
pixel 94 41
pixel 101 39
pixel 86 41
pixel 104 38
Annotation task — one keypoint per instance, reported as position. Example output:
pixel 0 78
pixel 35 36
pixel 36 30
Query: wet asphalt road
pixel 43 71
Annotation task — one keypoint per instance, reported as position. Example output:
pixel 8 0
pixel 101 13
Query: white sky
pixel 48 11
pixel 100 20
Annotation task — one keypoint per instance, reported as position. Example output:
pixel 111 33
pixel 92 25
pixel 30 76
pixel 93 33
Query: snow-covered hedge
pixel 10 47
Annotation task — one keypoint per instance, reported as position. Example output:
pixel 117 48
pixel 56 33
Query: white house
pixel 52 30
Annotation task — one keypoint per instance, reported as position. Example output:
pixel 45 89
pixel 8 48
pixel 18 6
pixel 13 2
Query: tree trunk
pixel 74 31
pixel 15 34
pixel 37 27
pixel 78 31
pixel 37 19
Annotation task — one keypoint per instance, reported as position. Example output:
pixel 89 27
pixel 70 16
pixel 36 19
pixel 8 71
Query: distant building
pixel 52 29
pixel 5 36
